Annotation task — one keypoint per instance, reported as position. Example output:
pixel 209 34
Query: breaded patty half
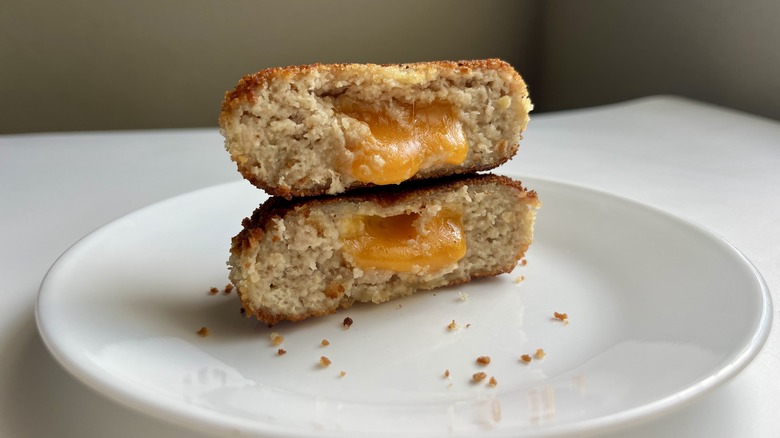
pixel 307 257
pixel 317 129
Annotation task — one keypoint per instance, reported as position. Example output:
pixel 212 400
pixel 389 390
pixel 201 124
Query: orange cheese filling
pixel 403 244
pixel 420 136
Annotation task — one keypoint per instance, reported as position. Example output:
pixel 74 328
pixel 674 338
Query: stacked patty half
pixel 372 172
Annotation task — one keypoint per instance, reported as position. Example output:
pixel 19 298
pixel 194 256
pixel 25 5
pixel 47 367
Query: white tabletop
pixel 716 167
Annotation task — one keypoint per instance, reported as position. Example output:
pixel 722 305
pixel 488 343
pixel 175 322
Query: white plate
pixel 660 312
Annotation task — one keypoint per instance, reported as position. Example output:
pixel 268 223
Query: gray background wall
pixel 721 51
pixel 106 64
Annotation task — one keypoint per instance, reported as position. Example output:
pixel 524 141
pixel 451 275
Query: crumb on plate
pixel 347 323
pixel 325 343
pixel 526 358
pixel 483 360
pixel 539 353
pixel 324 361
pixel 276 338
pixel 452 325
pixel 281 352
pixel 203 332
pixel 478 377
pixel 492 381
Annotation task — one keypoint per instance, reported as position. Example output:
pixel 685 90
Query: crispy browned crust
pixel 271 319
pixel 316 190
pixel 245 90
pixel 277 206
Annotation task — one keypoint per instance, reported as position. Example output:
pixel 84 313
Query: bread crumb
pixel 526 358
pixel 228 288
pixel 539 353
pixel 463 296
pixel 342 373
pixel 281 352
pixel 446 373
pixel 452 325
pixel 347 322
pixel 483 360
pixel 213 291
pixel 478 377
pixel 324 361
pixel 503 103
pixel 242 311
pixel 325 343
pixel 523 262
pixel 276 338
pixel 492 381
pixel 203 332
pixel 468 325
pixel 561 317
pixel 519 279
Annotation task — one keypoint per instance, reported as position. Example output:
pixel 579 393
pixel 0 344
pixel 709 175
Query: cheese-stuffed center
pixel 406 242
pixel 417 137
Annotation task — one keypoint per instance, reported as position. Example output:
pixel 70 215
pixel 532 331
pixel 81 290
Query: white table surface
pixel 714 166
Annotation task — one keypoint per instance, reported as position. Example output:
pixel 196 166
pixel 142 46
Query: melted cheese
pixel 418 137
pixel 403 244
